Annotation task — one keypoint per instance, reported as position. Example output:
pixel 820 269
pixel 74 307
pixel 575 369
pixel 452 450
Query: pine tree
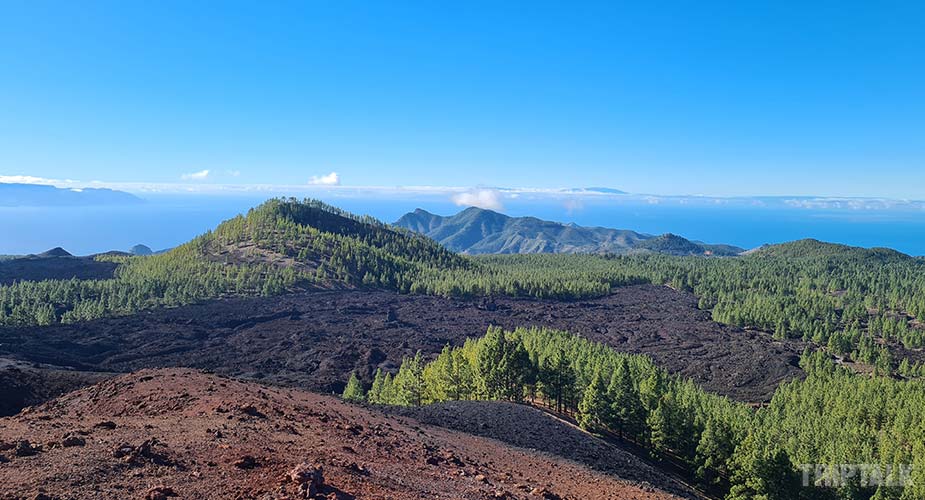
pixel 462 375
pixel 627 416
pixel 780 331
pixel 354 390
pixel 715 449
pixel 375 392
pixel 762 470
pixel 409 385
pixel 594 406
pixel 503 366
pixel 448 377
pixel 660 426
pixel 884 365
pixel 652 388
pixel 558 379
pixel 388 394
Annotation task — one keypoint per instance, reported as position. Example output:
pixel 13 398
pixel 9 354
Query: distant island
pixel 36 195
pixel 481 231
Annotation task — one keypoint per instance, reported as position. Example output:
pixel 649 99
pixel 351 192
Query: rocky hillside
pixel 179 433
pixel 479 231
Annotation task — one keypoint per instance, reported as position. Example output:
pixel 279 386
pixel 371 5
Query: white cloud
pixel 233 173
pixel 850 203
pixel 482 198
pixel 331 179
pixel 27 179
pixel 195 176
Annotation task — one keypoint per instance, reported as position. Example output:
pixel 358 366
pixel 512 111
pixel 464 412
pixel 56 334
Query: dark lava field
pixel 313 340
pixel 50 268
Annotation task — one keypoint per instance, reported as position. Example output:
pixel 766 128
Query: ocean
pixel 166 221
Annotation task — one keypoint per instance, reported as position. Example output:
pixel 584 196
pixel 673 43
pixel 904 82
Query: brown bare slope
pixel 529 427
pixel 182 432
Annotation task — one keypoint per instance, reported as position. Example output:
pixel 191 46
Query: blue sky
pixel 717 98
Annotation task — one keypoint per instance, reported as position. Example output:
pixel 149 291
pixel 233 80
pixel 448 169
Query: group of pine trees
pixel 603 389
pixel 832 417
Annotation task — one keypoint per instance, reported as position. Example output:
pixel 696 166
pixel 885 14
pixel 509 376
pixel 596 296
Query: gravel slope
pixel 158 433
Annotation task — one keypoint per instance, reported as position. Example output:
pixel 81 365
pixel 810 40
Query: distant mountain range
pixel 480 231
pixel 35 195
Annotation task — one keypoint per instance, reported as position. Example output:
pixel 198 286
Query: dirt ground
pixel 313 340
pixel 159 434
pixel 528 427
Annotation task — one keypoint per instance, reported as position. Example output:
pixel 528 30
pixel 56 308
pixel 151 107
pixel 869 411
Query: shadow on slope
pixel 527 427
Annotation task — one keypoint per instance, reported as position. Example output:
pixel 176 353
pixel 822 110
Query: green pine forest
pixel 832 417
pixel 852 301
pixel 857 304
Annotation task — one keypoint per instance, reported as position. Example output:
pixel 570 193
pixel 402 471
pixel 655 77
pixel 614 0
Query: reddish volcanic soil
pixel 157 434
pixel 315 339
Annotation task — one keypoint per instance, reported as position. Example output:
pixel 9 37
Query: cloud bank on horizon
pixel 492 198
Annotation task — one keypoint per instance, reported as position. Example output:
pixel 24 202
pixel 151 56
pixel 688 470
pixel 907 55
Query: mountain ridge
pixel 481 231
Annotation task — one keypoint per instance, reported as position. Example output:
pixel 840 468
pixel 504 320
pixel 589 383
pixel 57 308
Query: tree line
pixel 831 417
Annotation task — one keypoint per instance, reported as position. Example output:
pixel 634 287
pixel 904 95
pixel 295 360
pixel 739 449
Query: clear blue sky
pixel 721 98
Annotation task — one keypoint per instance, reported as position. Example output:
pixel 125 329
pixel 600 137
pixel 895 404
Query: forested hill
pixel 479 231
pixel 328 242
pixel 811 248
pixel 281 245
